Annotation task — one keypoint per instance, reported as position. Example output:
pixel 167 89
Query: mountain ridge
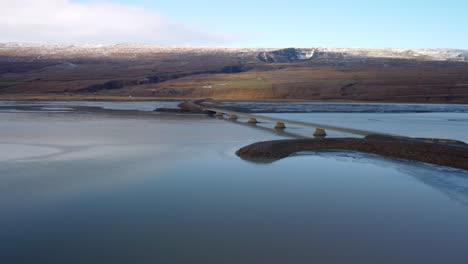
pixel 301 53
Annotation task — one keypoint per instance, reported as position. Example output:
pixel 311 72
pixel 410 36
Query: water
pixel 331 107
pixel 60 106
pixel 118 187
pixel 413 120
pixel 429 125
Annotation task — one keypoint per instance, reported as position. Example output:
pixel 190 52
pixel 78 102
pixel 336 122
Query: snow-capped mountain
pixel 263 54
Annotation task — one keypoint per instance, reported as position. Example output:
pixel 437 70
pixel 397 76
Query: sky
pixel 240 23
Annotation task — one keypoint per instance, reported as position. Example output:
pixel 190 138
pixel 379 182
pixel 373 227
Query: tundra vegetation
pixel 152 72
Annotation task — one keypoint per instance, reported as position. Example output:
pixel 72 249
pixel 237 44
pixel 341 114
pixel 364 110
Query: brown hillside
pixel 234 75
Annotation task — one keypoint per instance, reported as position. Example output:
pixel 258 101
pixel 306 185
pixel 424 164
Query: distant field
pixel 245 84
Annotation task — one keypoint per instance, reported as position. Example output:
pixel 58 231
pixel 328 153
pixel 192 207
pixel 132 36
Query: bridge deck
pixel 299 123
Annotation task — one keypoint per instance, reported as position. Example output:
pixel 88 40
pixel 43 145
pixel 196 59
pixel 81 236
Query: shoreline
pixel 104 98
pixel 450 154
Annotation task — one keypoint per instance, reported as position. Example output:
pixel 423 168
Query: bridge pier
pixel 319 132
pixel 219 114
pixel 280 125
pixel 233 117
pixel 252 121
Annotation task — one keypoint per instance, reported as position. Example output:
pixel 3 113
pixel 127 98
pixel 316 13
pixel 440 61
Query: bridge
pixel 320 129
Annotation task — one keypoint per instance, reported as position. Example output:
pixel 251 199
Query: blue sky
pixel 301 23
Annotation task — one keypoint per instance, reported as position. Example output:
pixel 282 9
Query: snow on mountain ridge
pixel 126 50
pixel 435 54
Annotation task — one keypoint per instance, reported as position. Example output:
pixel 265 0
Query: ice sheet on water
pixel 330 107
pixel 450 181
pixel 6 106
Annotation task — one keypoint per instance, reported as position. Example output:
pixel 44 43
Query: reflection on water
pixel 78 187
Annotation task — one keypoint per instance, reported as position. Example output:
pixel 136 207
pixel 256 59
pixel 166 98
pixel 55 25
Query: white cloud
pixel 63 21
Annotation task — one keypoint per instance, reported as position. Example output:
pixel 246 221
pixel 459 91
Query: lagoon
pixel 122 186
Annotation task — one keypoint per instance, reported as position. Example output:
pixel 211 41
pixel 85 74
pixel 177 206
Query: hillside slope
pixel 395 75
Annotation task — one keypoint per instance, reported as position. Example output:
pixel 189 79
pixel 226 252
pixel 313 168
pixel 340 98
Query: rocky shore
pixel 439 152
pixel 185 107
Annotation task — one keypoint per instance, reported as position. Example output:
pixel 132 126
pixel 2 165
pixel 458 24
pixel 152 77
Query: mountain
pixel 61 51
pixel 322 73
pixel 349 54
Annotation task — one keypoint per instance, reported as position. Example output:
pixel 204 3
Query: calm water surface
pixel 430 125
pixel 117 187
